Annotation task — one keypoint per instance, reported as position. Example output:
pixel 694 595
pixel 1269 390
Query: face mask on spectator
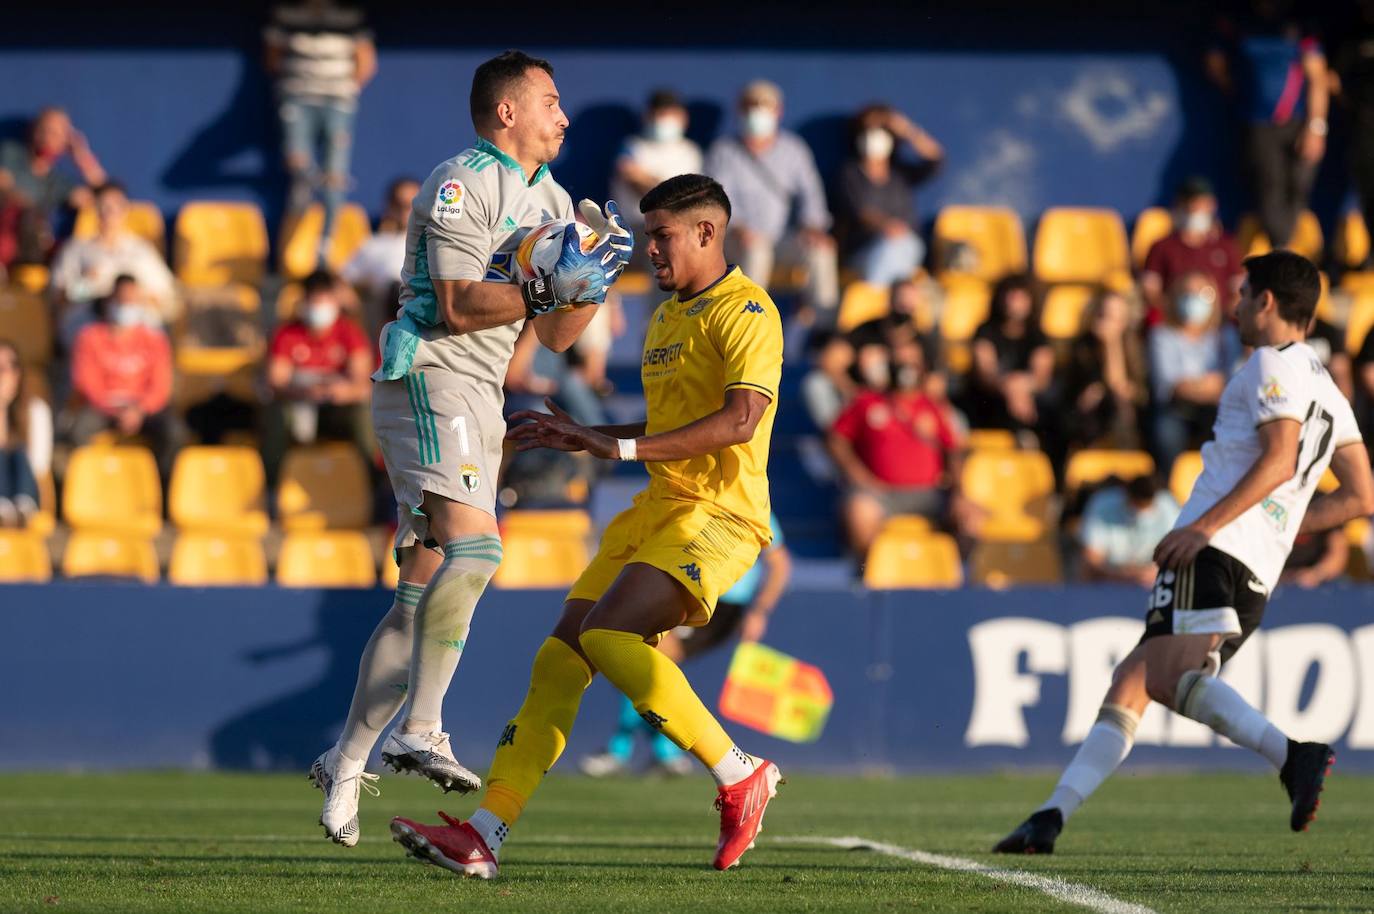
pixel 760 122
pixel 876 374
pixel 1196 222
pixel 321 315
pixel 875 143
pixel 127 315
pixel 666 129
pixel 1195 308
pixel 908 377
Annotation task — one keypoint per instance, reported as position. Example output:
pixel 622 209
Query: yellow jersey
pixel 728 335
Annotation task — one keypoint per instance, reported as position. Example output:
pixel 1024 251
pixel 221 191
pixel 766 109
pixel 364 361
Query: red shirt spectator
pixel 1171 257
pixel 326 352
pixel 902 437
pixel 115 367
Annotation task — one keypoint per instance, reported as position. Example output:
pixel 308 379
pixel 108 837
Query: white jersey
pixel 1287 382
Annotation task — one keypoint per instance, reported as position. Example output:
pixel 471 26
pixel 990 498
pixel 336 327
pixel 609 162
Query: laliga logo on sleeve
pixel 448 199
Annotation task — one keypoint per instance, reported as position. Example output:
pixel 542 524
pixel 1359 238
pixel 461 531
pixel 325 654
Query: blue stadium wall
pixel 1038 104
pixel 108 676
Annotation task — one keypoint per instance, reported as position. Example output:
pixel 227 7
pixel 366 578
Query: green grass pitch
pixel 213 842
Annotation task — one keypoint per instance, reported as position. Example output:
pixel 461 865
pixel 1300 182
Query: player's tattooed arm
pixel 1353 498
pixel 734 423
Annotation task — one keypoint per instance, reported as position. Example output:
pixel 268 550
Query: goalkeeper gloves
pixel 583 276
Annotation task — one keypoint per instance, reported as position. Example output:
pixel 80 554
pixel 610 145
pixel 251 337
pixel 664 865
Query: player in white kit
pixel 1280 424
pixel 437 409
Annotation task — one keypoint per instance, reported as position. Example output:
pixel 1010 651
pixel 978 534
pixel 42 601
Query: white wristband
pixel 627 448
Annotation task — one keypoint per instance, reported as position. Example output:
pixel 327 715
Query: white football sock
pixel 1208 700
pixel 383 674
pixel 491 827
pixel 441 625
pixel 734 767
pixel 1103 750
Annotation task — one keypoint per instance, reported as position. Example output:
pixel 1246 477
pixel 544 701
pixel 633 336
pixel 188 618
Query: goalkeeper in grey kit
pixel 437 409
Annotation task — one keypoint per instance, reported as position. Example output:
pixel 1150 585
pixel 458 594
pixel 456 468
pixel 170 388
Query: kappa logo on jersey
pixel 752 308
pixel 469 476
pixel 448 200
pixel 693 571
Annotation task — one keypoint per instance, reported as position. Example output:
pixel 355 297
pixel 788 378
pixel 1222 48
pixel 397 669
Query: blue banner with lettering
pixel 119 676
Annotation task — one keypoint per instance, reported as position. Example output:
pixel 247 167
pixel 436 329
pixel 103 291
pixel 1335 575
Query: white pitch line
pixel 1072 893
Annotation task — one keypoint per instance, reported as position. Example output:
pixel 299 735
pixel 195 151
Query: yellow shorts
pixel 705 550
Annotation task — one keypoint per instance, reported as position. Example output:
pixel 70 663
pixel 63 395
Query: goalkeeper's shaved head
pixel 685 193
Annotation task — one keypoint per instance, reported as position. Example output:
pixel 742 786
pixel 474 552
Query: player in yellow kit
pixel 711 367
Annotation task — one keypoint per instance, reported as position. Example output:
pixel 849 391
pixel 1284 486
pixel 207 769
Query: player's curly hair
pixel 1295 282
pixel 686 192
pixel 493 80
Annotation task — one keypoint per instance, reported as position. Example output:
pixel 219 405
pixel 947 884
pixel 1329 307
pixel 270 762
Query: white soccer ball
pixel 538 252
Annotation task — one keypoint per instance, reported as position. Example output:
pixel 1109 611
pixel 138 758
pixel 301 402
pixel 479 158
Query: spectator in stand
pixel 1187 369
pixel 1363 373
pixel 829 385
pixel 1197 243
pixel 908 305
pixel 18 476
pixel 875 207
pixel 662 151
pixel 33 189
pixel 1354 63
pixel 778 200
pixel 896 451
pixel 318 368
pixel 122 376
pixel 1104 384
pixel 1278 74
pixel 1316 558
pixel 321 55
pixel 1013 366
pixel 85 270
pixel 1122 525
pixel 375 268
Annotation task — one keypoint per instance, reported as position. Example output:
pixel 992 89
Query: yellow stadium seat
pixel 1007 564
pixel 635 282
pixel 991 439
pixel 1359 319
pixel 1307 237
pixel 572 522
pixel 533 559
pixel 113 489
pixel 391 572
pixel 966 307
pixel 1091 466
pixel 24 558
pixel 324 487
pixel 301 239
pixel 220 242
pixel 328 558
pixel 1357 537
pixel 1328 482
pixel 908 525
pixel 219 489
pixel 26 321
pixel 1015 488
pixel 1081 245
pixel 994 233
pixel 1352 240
pixel 210 559
pixel 93 553
pixel 45 521
pixel 288 300
pixel 1150 226
pixel 30 277
pixel 862 302
pixel 928 560
pixel 1062 316
pixel 1187 468
pixel 144 219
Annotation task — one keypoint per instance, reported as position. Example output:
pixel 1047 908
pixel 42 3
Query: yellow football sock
pixel 661 694
pixel 534 740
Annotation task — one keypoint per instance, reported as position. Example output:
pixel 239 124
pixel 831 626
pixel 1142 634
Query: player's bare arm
pixel 1278 457
pixel 558 330
pixel 734 423
pixel 1353 498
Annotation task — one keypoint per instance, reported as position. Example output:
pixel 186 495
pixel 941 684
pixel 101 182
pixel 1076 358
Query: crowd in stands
pixel 919 352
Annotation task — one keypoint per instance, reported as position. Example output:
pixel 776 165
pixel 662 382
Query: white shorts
pixel 436 435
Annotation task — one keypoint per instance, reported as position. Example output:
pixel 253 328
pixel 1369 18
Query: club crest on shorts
pixel 469 476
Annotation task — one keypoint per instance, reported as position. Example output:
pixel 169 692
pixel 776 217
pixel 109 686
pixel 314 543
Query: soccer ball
pixel 538 252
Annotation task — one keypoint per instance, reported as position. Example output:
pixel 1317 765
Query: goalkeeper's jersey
pixel 465 223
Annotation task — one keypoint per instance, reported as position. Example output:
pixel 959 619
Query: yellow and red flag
pixel 776 694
